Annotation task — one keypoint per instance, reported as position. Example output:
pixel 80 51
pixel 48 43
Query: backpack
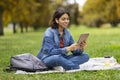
pixel 27 62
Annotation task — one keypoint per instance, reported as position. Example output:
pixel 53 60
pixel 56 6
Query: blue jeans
pixel 68 63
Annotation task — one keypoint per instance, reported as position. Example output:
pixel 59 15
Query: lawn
pixel 101 42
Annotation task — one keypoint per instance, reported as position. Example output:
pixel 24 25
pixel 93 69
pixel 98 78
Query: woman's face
pixel 63 21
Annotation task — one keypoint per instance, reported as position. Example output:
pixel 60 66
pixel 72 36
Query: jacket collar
pixel 58 33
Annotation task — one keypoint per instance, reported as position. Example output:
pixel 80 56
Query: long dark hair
pixel 57 14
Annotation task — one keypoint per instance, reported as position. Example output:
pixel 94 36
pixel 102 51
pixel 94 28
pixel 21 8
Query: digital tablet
pixel 83 37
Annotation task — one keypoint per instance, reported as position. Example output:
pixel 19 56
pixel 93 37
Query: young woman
pixel 58 42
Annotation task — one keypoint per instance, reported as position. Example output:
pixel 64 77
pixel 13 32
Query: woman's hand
pixel 73 47
pixel 82 45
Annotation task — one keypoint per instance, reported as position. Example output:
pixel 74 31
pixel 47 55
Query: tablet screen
pixel 83 37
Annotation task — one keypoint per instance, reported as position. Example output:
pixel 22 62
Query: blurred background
pixel 35 14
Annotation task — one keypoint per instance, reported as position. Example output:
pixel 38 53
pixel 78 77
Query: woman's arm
pixel 77 50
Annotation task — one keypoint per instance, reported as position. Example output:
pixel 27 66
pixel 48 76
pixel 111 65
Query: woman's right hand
pixel 73 47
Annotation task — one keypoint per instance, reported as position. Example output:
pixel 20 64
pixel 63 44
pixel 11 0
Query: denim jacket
pixel 51 43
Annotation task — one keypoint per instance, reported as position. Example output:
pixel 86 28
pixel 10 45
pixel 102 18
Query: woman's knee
pixel 53 58
pixel 52 61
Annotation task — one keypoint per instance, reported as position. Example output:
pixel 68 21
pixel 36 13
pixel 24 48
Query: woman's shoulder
pixel 48 31
pixel 67 31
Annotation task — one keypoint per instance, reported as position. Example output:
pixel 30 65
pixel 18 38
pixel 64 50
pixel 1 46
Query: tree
pixel 76 13
pixel 97 12
pixel 25 14
pixel 33 13
pixel 1 21
pixel 5 9
pixel 44 13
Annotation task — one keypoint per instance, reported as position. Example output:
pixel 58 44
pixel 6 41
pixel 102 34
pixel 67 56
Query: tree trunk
pixel 14 27
pixel 21 27
pixel 76 14
pixel 26 28
pixel 1 21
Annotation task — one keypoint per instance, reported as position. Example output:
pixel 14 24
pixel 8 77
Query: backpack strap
pixel 9 69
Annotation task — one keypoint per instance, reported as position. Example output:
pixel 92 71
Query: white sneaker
pixel 59 68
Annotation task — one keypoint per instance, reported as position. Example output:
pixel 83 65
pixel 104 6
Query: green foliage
pixel 26 12
pixel 97 12
pixel 101 42
pixel 32 13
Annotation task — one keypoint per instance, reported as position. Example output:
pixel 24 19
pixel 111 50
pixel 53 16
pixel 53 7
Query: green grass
pixel 101 42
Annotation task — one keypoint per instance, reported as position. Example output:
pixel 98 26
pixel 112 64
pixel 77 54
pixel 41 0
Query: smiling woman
pixel 58 42
pixel 63 21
